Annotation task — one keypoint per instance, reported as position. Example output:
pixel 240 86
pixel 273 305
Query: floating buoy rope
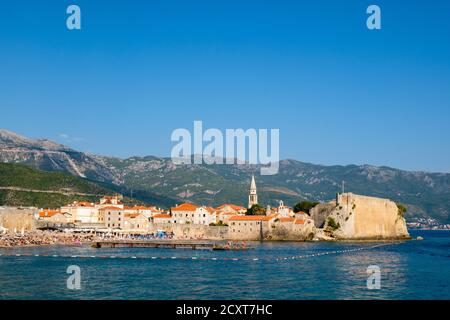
pixel 304 256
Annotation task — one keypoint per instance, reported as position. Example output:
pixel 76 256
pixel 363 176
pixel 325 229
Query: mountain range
pixel 159 181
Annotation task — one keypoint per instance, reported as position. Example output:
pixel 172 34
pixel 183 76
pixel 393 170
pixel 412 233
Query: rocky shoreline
pixel 46 238
pixel 43 238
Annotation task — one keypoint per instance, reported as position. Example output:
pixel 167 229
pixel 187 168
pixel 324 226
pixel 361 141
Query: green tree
pixel 332 224
pixel 402 209
pixel 256 209
pixel 305 206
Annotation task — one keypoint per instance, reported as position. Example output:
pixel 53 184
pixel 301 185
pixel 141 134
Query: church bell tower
pixel 252 196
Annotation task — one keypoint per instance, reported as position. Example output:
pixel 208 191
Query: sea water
pixel 270 270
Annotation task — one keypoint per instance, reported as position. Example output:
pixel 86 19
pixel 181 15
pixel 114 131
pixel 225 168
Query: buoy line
pixel 194 258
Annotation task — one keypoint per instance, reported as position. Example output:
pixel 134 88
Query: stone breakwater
pixel 39 238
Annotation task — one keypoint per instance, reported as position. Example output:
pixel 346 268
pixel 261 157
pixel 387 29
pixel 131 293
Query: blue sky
pixel 137 70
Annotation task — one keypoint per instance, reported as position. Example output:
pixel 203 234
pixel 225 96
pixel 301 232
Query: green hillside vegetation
pixel 39 200
pixel 20 176
pixel 14 175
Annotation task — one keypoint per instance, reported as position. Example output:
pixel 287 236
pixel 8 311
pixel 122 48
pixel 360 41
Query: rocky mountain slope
pixel 50 156
pixel 425 194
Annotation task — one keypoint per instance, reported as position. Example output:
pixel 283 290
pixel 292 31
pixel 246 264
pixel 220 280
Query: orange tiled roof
pixel 48 213
pixel 232 206
pixel 299 221
pixel 185 207
pixel 84 204
pixel 162 215
pixel 250 218
pixel 210 209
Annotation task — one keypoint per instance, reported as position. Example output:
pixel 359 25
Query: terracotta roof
pixel 48 213
pixel 299 221
pixel 210 209
pixel 250 218
pixel 162 215
pixel 185 207
pixel 233 206
pixel 301 212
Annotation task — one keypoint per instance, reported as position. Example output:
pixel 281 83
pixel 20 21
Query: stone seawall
pixel 292 232
pixel 193 230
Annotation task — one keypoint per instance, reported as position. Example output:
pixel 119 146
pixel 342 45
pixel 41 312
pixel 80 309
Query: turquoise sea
pixel 271 270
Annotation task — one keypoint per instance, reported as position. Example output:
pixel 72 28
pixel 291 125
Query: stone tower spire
pixel 252 196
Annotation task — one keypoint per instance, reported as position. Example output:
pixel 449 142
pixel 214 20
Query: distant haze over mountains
pixel 425 194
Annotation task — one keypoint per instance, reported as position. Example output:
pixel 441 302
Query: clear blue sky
pixel 137 70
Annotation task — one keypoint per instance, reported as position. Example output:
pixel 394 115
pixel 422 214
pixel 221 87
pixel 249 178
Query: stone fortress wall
pixel 18 218
pixel 363 217
pixel 193 231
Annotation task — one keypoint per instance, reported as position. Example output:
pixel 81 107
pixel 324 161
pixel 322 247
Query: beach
pixel 41 238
